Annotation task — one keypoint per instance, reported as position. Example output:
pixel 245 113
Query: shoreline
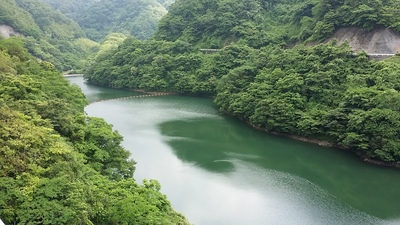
pixel 150 92
pixel 321 143
pixel 325 144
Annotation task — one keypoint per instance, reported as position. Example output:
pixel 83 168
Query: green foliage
pixel 18 18
pixel 163 66
pixel 130 17
pixel 58 166
pixel 103 152
pixel 125 202
pixel 52 23
pixel 215 24
pixel 110 43
pixel 49 35
pixel 329 15
pixel 72 8
pixel 320 92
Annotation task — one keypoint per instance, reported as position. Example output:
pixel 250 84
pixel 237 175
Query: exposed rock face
pixel 377 41
pixel 7 31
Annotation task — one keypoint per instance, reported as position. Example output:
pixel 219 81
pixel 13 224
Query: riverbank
pixel 323 143
pixel 359 153
pixel 150 92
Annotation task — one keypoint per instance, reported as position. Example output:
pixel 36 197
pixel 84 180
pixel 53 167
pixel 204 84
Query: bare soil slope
pixel 377 41
pixel 7 31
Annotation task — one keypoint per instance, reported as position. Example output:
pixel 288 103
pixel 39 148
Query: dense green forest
pixel 214 24
pixel 72 8
pixel 58 166
pixel 131 17
pixel 49 35
pixel 267 73
pixel 75 8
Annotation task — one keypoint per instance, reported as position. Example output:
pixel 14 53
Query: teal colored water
pixel 217 170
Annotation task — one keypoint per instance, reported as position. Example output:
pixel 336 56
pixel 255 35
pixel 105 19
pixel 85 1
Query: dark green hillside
pixel 131 17
pixel 74 8
pixel 164 66
pixel 71 8
pixel 49 35
pixel 18 18
pixel 58 166
pixel 52 23
pixel 214 24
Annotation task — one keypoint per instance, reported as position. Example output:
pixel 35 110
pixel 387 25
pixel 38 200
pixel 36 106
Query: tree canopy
pixel 72 8
pixel 138 18
pixel 50 36
pixel 58 166
pixel 215 24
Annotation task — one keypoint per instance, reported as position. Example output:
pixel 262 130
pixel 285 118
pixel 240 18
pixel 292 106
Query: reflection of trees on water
pixel 217 145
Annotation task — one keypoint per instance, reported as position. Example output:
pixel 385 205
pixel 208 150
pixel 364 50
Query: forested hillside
pixel 265 71
pixel 71 8
pixel 323 93
pixel 131 17
pixel 214 24
pixel 75 8
pixel 58 166
pixel 50 36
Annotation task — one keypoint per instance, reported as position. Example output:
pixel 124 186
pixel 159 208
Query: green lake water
pixel 217 170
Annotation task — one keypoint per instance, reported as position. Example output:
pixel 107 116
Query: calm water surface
pixel 217 170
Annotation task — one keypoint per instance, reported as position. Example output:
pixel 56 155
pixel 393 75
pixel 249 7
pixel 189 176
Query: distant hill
pixel 135 17
pixel 71 8
pixel 49 35
pixel 56 31
pixel 130 17
pixel 37 19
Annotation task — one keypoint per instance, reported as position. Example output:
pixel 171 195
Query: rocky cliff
pixel 7 31
pixel 377 41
